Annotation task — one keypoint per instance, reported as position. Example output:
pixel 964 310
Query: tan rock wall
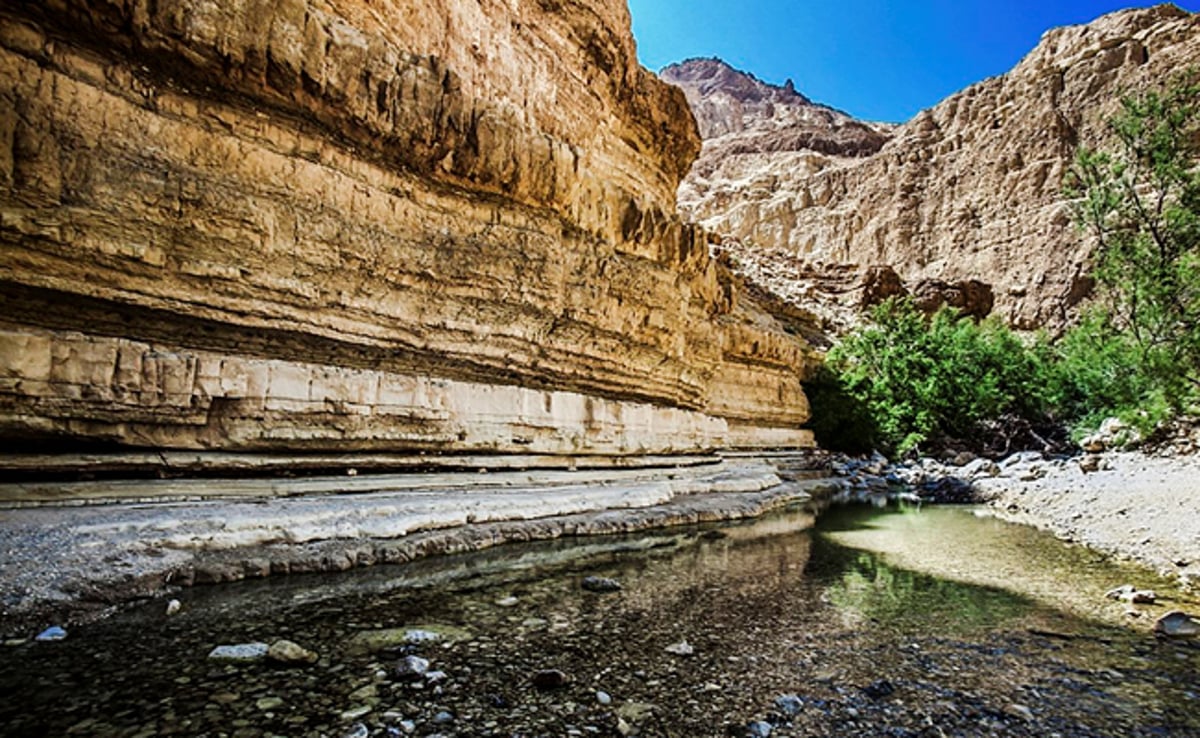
pixel 971 189
pixel 477 195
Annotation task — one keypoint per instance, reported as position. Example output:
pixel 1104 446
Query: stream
pixel 864 622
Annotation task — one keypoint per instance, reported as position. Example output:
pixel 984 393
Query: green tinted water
pixel 897 623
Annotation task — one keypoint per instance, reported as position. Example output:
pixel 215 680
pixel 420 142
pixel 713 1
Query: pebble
pixel 759 729
pixel 443 717
pixel 240 652
pixel 355 713
pixel 1019 711
pixel 879 689
pixel 53 633
pixel 412 668
pixel 603 698
pixel 173 607
pixel 1177 625
pixel 601 585
pixel 507 602
pixel 683 648
pixel 288 653
pixel 266 704
pixel 550 679
pixel 358 730
pixel 789 704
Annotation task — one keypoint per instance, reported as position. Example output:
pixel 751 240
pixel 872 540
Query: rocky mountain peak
pixel 729 102
pixel 969 192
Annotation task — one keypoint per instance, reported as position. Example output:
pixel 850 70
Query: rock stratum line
pixel 341 226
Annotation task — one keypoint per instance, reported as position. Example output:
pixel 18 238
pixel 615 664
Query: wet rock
pixel 1133 595
pixel 980 469
pixel 173 607
pixel 358 730
pixel 603 698
pixel 53 633
pixel 949 490
pixel 789 704
pixel 240 652
pixel 443 718
pixel 1019 711
pixel 1177 625
pixel 374 641
pixel 547 679
pixel 683 648
pixel 600 584
pixel 879 689
pixel 267 704
pixel 507 602
pixel 758 729
pixel 963 459
pixel 287 653
pixel 411 668
pixel 635 713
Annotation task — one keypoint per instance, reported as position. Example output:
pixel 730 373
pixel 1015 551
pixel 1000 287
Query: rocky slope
pixel 968 190
pixel 344 225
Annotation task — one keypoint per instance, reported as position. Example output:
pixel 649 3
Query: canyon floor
pixel 67 563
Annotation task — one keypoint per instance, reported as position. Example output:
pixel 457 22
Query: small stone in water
pixel 443 717
pixel 173 607
pixel 1019 711
pixel 355 713
pixel 600 584
pixel 760 729
pixel 879 689
pixel 266 704
pixel 53 633
pixel 603 698
pixel 434 677
pixel 683 648
pixel 507 602
pixel 412 668
pixel 1177 625
pixel 240 652
pixel 290 654
pixel 789 704
pixel 358 730
pixel 550 679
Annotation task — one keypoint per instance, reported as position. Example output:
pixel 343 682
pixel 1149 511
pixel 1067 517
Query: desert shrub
pixel 1136 353
pixel 915 378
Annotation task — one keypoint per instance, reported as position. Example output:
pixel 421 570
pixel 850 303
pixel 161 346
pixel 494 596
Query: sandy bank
pixel 68 563
pixel 1140 507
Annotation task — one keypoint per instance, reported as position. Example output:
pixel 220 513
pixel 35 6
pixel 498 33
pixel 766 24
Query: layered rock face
pixel 968 194
pixel 302 225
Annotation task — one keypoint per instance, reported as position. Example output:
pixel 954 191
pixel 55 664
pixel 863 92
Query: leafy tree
pixel 1140 343
pixel 919 378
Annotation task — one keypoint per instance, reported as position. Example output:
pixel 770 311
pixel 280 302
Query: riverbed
pixel 893 622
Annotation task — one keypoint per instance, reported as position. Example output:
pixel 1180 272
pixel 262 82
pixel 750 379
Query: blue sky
pixel 877 60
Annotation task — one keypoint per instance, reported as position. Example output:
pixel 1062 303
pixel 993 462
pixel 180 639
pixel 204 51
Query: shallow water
pixel 897 623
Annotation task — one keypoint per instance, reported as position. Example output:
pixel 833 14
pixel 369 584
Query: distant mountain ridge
pixel 767 117
pixel 815 205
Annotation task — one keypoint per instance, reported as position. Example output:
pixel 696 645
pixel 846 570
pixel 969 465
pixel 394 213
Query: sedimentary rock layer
pixel 971 189
pixel 344 225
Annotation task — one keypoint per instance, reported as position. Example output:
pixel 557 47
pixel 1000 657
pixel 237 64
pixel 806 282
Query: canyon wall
pixel 346 225
pixel 965 198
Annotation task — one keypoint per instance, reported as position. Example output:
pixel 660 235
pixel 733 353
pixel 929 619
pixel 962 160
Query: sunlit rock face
pixel 970 191
pixel 388 225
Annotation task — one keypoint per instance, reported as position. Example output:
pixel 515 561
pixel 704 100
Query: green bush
pixel 1136 354
pixel 907 378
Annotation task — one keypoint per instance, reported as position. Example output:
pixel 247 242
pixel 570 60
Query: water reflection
pixel 772 606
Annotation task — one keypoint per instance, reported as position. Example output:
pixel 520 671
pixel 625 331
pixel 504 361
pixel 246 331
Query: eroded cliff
pixel 967 198
pixel 397 225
